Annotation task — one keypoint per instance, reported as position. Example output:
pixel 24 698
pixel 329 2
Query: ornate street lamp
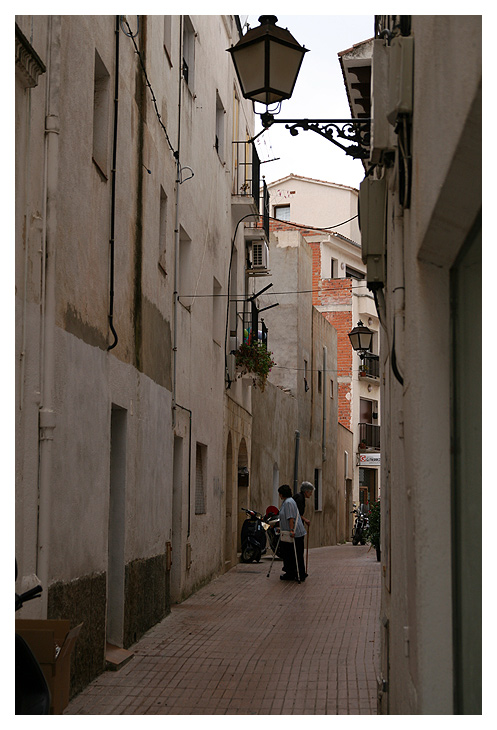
pixel 361 339
pixel 267 61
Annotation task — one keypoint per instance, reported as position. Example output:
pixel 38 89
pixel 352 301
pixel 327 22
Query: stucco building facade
pixel 135 274
pixel 326 215
pixel 128 194
pixel 421 234
pixel 299 442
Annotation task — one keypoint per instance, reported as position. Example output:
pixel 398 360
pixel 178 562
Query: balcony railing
pixel 369 436
pixel 253 331
pixel 246 171
pixel 370 366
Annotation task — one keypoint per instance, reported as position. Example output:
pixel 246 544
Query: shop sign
pixel 369 459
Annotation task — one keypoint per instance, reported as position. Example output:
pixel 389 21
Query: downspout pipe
pixel 296 462
pixel 325 368
pixel 113 189
pixel 47 416
pixel 176 229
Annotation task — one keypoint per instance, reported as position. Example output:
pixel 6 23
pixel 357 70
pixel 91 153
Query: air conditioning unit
pixel 260 255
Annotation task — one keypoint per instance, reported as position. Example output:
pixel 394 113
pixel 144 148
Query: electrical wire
pixel 342 373
pixel 314 228
pixel 241 297
pixel 132 36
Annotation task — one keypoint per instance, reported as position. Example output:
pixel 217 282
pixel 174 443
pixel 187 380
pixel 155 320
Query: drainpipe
pixel 296 463
pixel 325 363
pixel 47 416
pixel 398 297
pixel 176 228
pixel 113 188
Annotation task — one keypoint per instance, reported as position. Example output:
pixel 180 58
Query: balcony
pixel 369 369
pixel 369 437
pixel 245 190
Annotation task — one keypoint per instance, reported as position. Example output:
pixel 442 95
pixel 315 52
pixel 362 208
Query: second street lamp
pixel 361 339
pixel 267 61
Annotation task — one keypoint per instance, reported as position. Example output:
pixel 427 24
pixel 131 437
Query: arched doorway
pixel 228 522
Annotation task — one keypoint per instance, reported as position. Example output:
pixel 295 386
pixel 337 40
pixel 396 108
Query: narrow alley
pixel 246 644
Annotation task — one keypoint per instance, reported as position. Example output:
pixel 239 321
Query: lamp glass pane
pixel 354 340
pixel 250 66
pixel 284 68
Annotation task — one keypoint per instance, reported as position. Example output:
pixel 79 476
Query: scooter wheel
pixel 249 554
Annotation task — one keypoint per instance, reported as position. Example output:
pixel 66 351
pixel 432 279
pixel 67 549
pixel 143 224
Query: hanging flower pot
pixel 254 359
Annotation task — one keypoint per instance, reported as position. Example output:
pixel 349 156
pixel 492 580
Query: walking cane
pixel 274 555
pixel 296 561
pixel 307 551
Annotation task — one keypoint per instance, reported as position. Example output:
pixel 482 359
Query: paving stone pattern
pixel 247 644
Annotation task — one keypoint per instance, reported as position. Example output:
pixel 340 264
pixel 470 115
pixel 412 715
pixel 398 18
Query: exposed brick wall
pixel 342 322
pixel 333 293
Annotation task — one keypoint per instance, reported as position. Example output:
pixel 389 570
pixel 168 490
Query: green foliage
pixel 255 359
pixel 373 530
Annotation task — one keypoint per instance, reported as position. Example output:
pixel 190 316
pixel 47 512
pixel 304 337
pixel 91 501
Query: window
pixel 188 52
pixel 306 384
pixel 282 212
pixel 351 273
pixel 185 269
pixel 101 115
pixel 318 497
pixel 333 269
pixel 200 478
pixel 167 37
pixel 331 388
pixel 162 232
pixel 320 381
pixel 219 140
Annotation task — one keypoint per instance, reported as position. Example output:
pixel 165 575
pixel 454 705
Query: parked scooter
pixel 257 532
pixel 360 524
pixel 31 692
pixel 253 537
pixel 271 523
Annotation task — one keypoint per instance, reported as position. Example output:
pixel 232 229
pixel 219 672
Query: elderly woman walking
pixel 291 521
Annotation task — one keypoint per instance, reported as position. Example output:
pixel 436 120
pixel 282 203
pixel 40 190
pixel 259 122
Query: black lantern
pixel 267 61
pixel 361 338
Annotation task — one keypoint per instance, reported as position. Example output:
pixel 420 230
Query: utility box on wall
pixel 401 77
pixel 372 218
pixel 383 138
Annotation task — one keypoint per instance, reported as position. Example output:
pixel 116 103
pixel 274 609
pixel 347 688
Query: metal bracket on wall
pixel 355 131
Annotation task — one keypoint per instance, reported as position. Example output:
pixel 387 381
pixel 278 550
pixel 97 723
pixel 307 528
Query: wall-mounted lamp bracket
pixel 355 131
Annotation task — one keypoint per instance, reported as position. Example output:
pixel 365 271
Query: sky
pixel 319 94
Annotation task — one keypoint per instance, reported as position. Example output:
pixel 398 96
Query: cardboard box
pixel 52 643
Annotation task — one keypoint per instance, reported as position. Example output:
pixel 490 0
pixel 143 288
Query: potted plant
pixel 253 358
pixel 373 530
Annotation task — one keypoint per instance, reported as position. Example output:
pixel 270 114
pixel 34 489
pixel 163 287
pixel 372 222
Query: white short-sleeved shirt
pixel 289 510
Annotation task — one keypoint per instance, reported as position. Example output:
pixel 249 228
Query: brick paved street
pixel 250 645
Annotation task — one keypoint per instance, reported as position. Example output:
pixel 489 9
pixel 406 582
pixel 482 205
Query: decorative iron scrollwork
pixel 354 131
